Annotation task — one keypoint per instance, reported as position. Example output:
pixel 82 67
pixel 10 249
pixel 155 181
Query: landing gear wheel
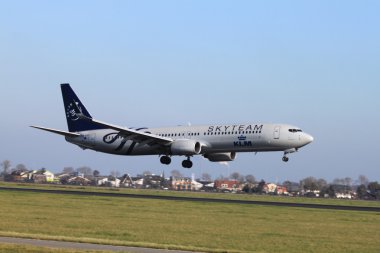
pixel 165 160
pixel 285 159
pixel 187 164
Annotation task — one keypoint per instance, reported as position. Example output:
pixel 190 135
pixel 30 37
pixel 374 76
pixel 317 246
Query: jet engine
pixel 221 157
pixel 185 147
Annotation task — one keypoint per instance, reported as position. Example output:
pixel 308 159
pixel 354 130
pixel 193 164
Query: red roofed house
pixel 229 185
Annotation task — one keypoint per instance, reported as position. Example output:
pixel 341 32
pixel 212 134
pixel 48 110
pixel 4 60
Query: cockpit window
pixel 295 130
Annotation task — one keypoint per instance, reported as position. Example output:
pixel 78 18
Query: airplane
pixel 215 142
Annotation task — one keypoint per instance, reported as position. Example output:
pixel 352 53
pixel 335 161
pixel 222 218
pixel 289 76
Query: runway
pixel 83 246
pixel 177 198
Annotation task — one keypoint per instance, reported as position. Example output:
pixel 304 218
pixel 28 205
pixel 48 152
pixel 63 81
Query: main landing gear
pixel 285 158
pixel 185 163
pixel 165 160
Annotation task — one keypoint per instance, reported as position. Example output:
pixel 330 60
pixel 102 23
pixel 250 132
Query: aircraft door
pixel 276 132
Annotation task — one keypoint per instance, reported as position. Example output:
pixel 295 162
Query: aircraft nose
pixel 309 138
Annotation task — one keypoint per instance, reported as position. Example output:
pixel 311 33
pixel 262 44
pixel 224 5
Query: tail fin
pixel 73 109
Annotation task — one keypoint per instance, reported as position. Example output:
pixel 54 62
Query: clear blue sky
pixel 314 64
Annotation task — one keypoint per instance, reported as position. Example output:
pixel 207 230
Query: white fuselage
pixel 217 143
pixel 251 137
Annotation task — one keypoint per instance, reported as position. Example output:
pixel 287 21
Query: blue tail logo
pixel 70 111
pixel 73 108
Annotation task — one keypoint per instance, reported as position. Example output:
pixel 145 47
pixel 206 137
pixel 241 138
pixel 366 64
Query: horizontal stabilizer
pixel 66 134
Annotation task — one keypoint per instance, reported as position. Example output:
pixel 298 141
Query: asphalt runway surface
pixel 83 246
pixel 177 198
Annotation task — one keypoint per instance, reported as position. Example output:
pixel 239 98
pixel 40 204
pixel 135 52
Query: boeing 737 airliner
pixel 217 143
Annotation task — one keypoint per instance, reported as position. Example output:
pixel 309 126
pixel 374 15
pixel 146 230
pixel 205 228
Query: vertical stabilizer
pixel 73 109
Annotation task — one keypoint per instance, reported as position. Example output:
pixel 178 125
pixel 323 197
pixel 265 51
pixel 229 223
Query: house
pixel 62 178
pixel 339 195
pixel 138 182
pixel 126 181
pixel 49 176
pixel 153 181
pixel 78 180
pixel 181 183
pixel 42 176
pixel 195 185
pixel 293 188
pixel 17 176
pixel 101 181
pixel 227 185
pixel 270 188
pixel 113 182
pixel 281 190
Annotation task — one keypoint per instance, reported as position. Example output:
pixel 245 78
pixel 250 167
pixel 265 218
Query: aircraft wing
pixel 134 135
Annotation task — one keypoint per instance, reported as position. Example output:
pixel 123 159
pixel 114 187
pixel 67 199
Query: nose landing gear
pixel 285 158
pixel 288 151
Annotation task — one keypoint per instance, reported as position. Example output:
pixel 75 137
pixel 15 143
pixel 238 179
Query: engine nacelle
pixel 185 147
pixel 221 157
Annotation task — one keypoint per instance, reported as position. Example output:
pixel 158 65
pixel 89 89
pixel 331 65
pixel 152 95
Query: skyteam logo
pixel 242 142
pixel 71 113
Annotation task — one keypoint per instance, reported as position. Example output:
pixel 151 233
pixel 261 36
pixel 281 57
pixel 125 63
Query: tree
pixel 374 189
pixel 6 164
pixel 235 175
pixel 260 186
pixel 321 183
pixel 206 177
pixel 339 181
pixel 95 173
pixel 176 173
pixel 21 167
pixel 115 173
pixel 363 180
pixel 84 170
pixel 309 184
pixel 348 181
pixel 361 191
pixel 330 191
pixel 222 177
pixel 250 179
pixel 68 170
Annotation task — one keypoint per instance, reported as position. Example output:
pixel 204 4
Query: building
pixel 270 188
pixel 181 184
pixel 78 180
pixel 227 185
pixel 281 190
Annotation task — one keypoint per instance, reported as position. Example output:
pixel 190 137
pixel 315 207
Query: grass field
pixel 213 227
